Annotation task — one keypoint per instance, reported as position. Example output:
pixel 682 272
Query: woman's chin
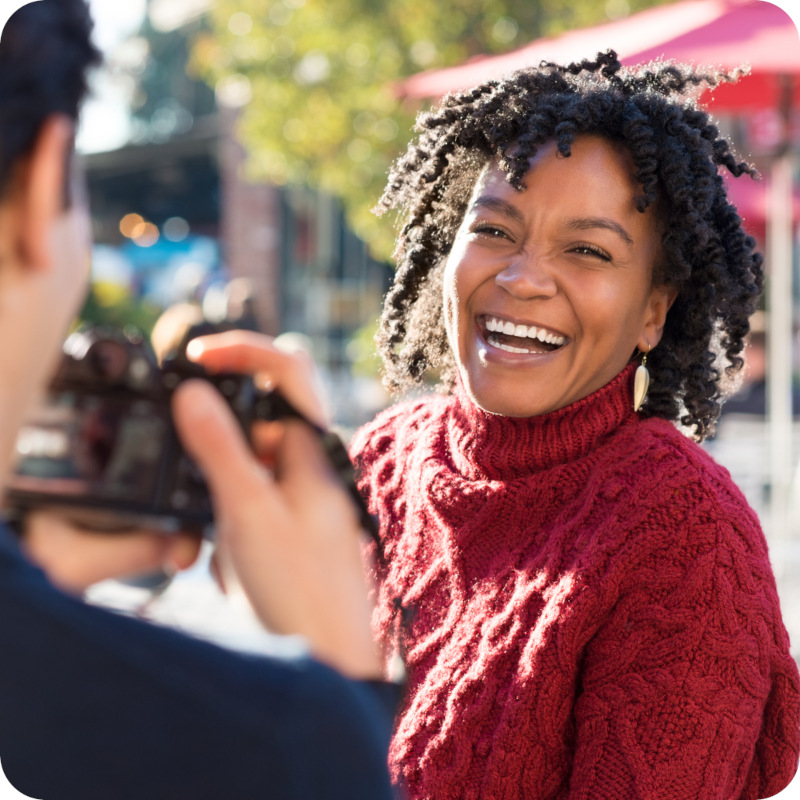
pixel 509 404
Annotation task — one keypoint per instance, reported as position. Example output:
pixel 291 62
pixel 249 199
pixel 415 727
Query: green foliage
pixel 361 350
pixel 314 79
pixel 108 304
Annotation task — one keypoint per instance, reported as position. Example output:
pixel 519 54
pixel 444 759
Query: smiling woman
pixel 583 600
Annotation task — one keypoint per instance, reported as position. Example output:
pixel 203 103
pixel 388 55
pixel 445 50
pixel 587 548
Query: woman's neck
pixel 495 447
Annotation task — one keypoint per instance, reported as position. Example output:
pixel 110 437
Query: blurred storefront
pixel 175 219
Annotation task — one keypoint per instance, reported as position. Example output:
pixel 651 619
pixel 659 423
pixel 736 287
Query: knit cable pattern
pixel 593 610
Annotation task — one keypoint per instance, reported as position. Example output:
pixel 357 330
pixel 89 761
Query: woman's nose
pixel 527 276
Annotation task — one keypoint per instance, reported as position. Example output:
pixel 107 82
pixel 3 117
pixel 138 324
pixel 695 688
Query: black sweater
pixel 97 705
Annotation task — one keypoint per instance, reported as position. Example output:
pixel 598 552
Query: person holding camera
pixel 96 705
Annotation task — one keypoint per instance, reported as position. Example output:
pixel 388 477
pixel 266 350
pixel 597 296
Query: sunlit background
pixel 106 122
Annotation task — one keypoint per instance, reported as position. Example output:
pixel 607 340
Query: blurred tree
pixel 150 68
pixel 114 306
pixel 361 350
pixel 320 75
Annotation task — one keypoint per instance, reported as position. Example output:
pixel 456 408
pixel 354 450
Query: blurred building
pixel 175 205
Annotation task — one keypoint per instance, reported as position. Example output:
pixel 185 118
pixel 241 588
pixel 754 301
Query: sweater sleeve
pixel 689 690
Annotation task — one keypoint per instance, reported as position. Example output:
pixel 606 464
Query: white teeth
pixel 507 347
pixel 493 324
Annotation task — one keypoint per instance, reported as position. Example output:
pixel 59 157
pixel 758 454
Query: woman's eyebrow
pixel 500 206
pixel 585 223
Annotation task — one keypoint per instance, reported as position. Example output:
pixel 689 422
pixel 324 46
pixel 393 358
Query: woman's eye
pixel 591 250
pixel 492 231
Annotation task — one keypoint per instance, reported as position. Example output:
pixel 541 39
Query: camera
pixel 103 448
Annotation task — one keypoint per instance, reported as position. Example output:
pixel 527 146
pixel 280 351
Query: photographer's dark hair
pixel 45 50
pixel 676 150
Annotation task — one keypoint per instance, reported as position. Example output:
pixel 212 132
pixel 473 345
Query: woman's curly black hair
pixel 677 153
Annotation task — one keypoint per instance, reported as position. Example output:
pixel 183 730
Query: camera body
pixel 103 447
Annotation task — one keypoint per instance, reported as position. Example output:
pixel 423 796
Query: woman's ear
pixel 41 189
pixel 660 302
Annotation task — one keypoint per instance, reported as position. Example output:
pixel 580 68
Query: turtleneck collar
pixel 494 447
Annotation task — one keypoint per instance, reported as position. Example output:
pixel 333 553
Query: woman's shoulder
pixel 687 536
pixel 672 471
pixel 672 454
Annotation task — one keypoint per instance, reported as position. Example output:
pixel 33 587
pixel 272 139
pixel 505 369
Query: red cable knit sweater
pixel 594 611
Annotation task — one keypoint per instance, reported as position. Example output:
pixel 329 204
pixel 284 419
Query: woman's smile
pixel 518 337
pixel 548 291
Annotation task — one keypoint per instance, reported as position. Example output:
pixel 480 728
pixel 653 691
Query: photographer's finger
pixel 303 469
pixel 74 558
pixel 216 572
pixel 301 455
pixel 211 435
pixel 232 351
pixel 182 551
pixel 246 352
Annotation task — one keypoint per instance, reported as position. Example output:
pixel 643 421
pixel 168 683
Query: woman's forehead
pixel 589 155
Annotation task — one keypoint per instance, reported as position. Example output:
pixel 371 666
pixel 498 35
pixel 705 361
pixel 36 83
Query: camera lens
pixel 108 359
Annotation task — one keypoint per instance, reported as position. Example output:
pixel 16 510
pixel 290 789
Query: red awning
pixel 726 33
pixel 751 198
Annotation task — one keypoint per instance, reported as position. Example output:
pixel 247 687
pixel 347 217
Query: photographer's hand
pixel 292 537
pixel 247 353
pixel 75 558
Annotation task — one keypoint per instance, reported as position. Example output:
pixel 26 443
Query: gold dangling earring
pixel 641 383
